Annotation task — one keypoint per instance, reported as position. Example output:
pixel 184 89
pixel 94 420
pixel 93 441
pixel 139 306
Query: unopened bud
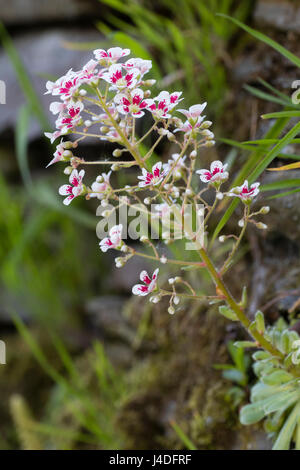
pixel 206 124
pixel 209 143
pixel 147 201
pixel 265 210
pixel 163 259
pixel 171 310
pixel 261 226
pixel 144 239
pixel 241 223
pixel 83 92
pixel 155 299
pixel 106 213
pixel 68 170
pixel 104 129
pixel 193 154
pixel 87 123
pixel 67 154
pixel 176 300
pixel 222 239
pixel 150 82
pixel 117 153
pixel 219 195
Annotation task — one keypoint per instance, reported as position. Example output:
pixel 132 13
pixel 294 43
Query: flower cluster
pixel 103 101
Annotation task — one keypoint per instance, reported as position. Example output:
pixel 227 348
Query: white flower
pixel 154 178
pixel 245 193
pixel 114 240
pixel 217 173
pixel 74 189
pixel 149 283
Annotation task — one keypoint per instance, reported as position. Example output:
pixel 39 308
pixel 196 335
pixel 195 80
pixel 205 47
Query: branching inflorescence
pixel 105 101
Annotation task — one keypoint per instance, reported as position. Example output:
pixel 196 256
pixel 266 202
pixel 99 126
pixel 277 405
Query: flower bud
pixel 68 145
pixel 117 153
pixel 106 213
pixel 68 170
pixel 171 280
pixel 104 129
pixel 222 239
pixel 219 195
pixel 209 143
pixel 155 299
pixel 193 154
pixel 120 261
pixel 83 92
pixel 265 210
pixel 206 124
pixel 67 154
pixel 163 259
pixel 147 201
pixel 241 223
pixel 87 123
pixel 176 300
pixel 144 239
pixel 171 310
pixel 115 167
pixel 150 82
pixel 261 226
pixel 188 192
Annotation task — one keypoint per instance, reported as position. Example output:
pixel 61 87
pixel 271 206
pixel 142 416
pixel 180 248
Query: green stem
pixel 261 340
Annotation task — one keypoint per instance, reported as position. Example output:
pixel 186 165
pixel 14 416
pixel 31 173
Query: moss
pixel 177 382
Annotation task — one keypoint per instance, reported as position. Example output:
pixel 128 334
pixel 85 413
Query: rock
pixel 37 11
pixel 279 14
pixel 44 57
pixel 106 313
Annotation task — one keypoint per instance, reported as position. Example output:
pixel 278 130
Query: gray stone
pixel 279 14
pixel 45 56
pixel 106 313
pixel 36 11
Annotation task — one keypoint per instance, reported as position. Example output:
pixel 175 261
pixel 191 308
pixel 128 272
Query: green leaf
pixel 260 321
pixel 262 37
pixel 235 375
pixel 21 143
pixel 245 344
pixel 228 313
pixel 283 184
pixel 251 414
pixel 250 164
pixel 281 114
pixel 287 193
pixel 283 442
pixel 184 438
pixel 277 377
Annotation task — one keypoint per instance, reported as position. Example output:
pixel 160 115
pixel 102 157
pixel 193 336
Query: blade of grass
pixel 183 437
pixel 21 144
pixel 262 37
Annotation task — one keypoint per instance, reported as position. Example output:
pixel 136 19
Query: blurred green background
pixel 82 358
